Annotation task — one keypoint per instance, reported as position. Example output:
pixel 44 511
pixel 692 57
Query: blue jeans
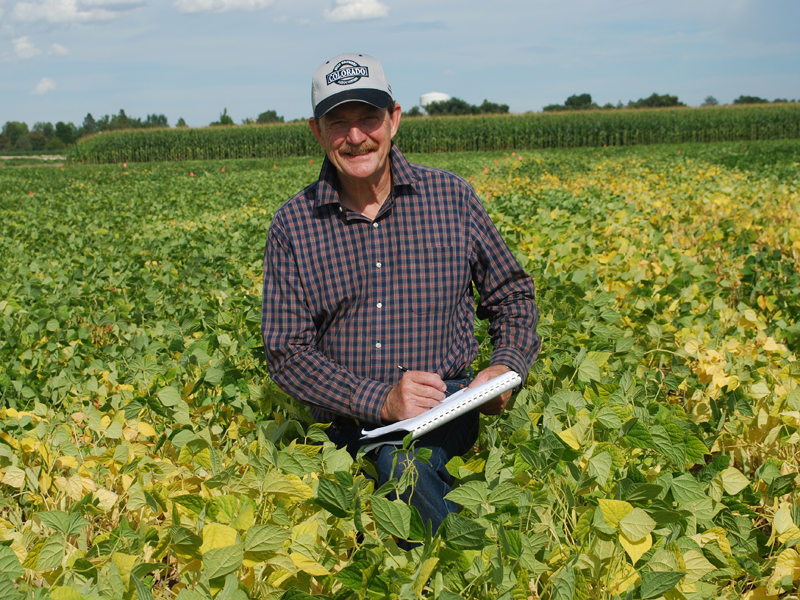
pixel 433 482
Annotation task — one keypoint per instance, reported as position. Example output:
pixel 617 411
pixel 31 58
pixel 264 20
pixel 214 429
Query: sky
pixel 62 59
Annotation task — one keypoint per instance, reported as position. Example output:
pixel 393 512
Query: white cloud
pixel 68 11
pixel 356 10
pixel 44 86
pixel 195 6
pixel 24 48
pixel 58 50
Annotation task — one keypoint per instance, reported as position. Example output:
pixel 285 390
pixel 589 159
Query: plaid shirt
pixel 347 299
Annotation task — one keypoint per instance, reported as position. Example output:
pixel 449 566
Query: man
pixel 372 267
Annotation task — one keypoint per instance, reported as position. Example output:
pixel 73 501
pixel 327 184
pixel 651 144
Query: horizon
pixel 191 59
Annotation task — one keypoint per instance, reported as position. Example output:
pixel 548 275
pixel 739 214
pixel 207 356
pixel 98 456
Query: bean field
pixel 653 452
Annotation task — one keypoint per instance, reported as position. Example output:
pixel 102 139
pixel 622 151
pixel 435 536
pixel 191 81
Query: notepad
pixel 451 407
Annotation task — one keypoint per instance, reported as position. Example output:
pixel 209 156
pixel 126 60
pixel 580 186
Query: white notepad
pixel 451 407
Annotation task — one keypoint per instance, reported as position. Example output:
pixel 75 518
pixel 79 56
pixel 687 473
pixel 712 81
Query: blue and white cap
pixel 349 78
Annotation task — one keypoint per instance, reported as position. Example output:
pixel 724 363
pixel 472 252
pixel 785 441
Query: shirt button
pixel 377 264
pixel 378 345
pixel 379 305
pixel 375 225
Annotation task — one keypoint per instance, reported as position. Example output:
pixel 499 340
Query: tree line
pixel 584 102
pixel 15 136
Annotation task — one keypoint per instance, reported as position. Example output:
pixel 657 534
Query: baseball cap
pixel 348 78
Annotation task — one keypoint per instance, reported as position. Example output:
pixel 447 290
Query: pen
pixel 402 368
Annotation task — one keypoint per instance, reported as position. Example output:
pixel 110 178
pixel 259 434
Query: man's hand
pixel 415 393
pixel 495 406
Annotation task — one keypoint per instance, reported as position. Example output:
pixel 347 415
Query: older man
pixel 372 267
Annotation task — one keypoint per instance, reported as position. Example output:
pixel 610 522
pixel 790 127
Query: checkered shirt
pixel 347 299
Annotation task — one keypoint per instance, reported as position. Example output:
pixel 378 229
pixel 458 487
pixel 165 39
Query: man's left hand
pixel 495 406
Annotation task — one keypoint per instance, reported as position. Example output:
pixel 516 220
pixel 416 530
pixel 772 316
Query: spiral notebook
pixel 451 407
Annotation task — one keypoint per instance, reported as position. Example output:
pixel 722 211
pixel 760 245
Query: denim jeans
pixel 433 482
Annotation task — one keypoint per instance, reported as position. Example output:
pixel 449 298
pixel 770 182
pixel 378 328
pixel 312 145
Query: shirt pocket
pixel 432 279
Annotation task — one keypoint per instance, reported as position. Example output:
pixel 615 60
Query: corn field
pixel 456 134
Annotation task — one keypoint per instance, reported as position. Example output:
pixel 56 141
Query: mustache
pixel 362 148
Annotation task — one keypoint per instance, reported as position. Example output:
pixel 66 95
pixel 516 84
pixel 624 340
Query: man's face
pixel 357 138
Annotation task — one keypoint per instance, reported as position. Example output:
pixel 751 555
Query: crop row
pixel 455 134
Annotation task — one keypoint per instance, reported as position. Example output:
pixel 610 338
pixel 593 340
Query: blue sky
pixel 60 59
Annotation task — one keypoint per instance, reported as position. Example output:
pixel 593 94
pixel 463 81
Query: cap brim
pixel 377 98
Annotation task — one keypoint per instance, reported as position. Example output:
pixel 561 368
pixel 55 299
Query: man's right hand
pixel 415 393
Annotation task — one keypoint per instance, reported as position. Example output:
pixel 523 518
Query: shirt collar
pixel 402 175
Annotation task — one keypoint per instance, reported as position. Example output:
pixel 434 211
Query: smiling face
pixel 357 138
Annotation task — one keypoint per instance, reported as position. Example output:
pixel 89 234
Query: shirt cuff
pixel 367 401
pixel 513 359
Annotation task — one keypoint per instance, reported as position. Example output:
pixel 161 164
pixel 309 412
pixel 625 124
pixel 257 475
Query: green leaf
pixel 654 584
pixel 470 495
pixel 142 591
pixel 333 497
pixel 170 396
pixel 262 539
pixel 636 525
pixel 52 552
pixel 641 492
pixel 218 562
pixel 9 563
pixel 392 517
pixel 8 589
pixel 193 502
pixel 695 450
pixel 589 370
pixel 639 437
pixel 685 489
pixel 608 418
pixel 600 467
pixel 461 532
pixel 734 481
pixel 662 442
pixel 564 585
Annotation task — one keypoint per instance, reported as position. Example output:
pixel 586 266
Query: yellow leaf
pixel 67 462
pixel 106 499
pixel 302 490
pixel 759 593
pixel 424 574
pixel 28 444
pixel 784 525
pixel 696 566
pixel 311 567
pixel 72 487
pixel 624 578
pixel 636 549
pixel 614 511
pixel 15 477
pixel 568 437
pixel 734 481
pixel 145 430
pixel 788 563
pixel 217 536
pixel 125 564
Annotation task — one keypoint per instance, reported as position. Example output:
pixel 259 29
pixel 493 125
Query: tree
pixel 414 112
pixel 23 144
pixel 656 101
pixel 156 121
pixel 224 119
pixel 181 123
pixel 493 108
pixel 580 102
pixel 750 100
pixel 66 132
pixel 269 116
pixel 89 126
pixel 37 140
pixel 55 144
pixel 46 129
pixel 5 143
pixel 14 130
pixel 710 101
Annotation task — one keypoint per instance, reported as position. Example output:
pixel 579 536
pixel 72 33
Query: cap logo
pixel 346 72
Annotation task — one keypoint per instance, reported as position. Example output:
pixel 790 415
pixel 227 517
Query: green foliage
pixel 656 101
pixel 269 116
pixel 144 452
pixel 750 100
pixel 14 130
pixel 224 119
pixel 452 134
pixel 457 106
